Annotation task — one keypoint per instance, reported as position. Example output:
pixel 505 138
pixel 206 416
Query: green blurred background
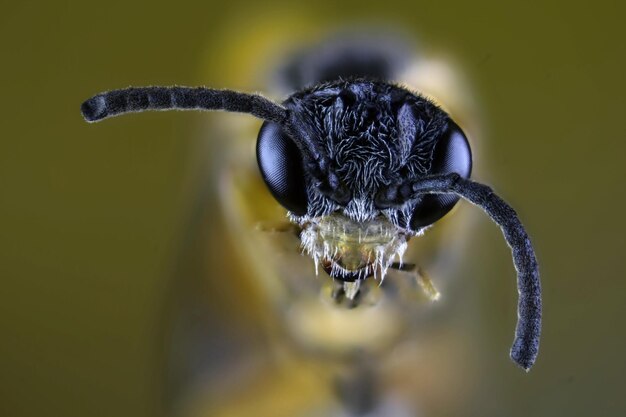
pixel 94 217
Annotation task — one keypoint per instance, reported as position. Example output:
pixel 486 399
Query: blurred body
pixel 361 361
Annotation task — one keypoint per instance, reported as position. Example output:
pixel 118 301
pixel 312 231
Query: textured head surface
pixel 369 134
pixel 355 138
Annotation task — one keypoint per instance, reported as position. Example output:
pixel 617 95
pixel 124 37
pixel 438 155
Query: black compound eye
pixel 280 163
pixel 451 154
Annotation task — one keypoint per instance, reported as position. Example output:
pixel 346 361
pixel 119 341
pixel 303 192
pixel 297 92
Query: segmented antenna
pixel 528 329
pixel 116 102
pixel 138 99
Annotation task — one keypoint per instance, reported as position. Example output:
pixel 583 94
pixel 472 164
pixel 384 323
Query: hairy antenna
pixel 116 102
pixel 133 100
pixel 528 329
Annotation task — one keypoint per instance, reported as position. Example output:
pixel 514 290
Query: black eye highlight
pixel 452 154
pixel 280 162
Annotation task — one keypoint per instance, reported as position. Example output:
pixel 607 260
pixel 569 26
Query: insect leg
pixel 284 226
pixel 420 277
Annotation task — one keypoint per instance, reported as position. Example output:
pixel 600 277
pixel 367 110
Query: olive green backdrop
pixel 92 216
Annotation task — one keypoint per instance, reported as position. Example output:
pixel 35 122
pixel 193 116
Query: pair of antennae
pixel 528 329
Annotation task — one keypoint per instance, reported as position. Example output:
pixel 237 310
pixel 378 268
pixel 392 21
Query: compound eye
pixel 451 154
pixel 280 163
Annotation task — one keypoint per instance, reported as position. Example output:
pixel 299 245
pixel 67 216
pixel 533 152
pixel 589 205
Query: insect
pixel 362 166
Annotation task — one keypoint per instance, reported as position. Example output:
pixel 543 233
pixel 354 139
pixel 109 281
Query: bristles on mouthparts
pixel 130 100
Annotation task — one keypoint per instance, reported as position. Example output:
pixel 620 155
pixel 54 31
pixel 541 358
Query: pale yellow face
pixel 352 249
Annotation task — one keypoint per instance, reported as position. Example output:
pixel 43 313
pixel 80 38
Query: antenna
pixel 130 100
pixel 528 329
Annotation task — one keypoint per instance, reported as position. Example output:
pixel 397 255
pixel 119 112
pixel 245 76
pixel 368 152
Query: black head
pixel 351 141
